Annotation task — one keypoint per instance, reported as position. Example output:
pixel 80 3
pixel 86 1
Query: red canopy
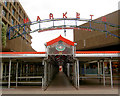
pixel 60 38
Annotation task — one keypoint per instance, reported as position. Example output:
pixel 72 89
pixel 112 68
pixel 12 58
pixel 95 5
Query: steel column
pixel 100 70
pixel 84 69
pixel 43 63
pixel 42 83
pixel 26 67
pixel 9 74
pixel 48 72
pixel 45 74
pixel 21 70
pixel 51 72
pixel 1 67
pixel 75 74
pixel 68 69
pixel 5 71
pixel 78 72
pixel 111 73
pixel 16 73
pixel 103 74
pixel 98 67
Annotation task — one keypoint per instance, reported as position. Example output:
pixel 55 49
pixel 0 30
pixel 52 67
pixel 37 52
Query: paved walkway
pixel 60 82
pixel 61 85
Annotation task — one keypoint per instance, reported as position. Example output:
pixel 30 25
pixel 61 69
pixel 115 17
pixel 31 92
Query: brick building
pixel 12 13
pixel 96 40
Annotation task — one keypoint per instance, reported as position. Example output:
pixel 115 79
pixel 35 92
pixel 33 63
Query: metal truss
pixel 14 31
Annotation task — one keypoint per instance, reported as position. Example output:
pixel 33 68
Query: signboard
pixel 60 48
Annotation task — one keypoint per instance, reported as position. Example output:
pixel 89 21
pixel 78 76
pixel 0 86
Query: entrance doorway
pixel 60 69
pixel 60 54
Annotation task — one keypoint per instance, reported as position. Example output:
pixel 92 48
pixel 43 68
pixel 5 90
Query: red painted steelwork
pixel 97 52
pixel 22 52
pixel 62 39
pixel 77 52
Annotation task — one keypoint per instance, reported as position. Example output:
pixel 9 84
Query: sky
pixel 43 8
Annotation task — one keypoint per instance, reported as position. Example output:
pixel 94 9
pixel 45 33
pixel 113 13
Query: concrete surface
pixel 61 85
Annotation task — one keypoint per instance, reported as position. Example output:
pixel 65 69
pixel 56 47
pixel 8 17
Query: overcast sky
pixel 43 8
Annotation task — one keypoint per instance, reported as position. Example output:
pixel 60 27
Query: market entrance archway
pixel 45 65
pixel 60 51
pixel 59 24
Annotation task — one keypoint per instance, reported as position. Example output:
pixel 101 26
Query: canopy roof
pixel 60 38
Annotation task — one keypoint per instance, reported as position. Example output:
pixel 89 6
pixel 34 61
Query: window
pixel 19 10
pixel 12 21
pixel 5 2
pixel 13 2
pixel 4 13
pixel 9 6
pixel 18 18
pixel 9 17
pixel 13 11
pixel 24 16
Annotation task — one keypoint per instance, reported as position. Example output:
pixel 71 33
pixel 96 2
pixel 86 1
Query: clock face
pixel 60 47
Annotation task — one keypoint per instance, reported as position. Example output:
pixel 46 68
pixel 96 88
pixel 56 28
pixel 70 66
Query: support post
pixel 16 73
pixel 111 74
pixel 26 71
pixel 5 71
pixel 51 72
pixel 98 68
pixel 48 72
pixel 84 69
pixel 9 74
pixel 33 69
pixel 21 70
pixel 78 72
pixel 42 84
pixel 45 74
pixel 74 74
pixel 103 74
pixel 1 73
pixel 68 69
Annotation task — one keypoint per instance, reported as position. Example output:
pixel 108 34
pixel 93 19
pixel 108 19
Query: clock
pixel 60 47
